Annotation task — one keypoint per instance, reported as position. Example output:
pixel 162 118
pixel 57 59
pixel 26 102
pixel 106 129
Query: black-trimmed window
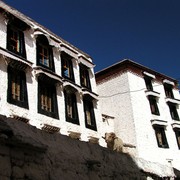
pixel 153 105
pixel 161 136
pixel 47 99
pixel 173 111
pixel 168 88
pixel 71 107
pixel 67 67
pixel 177 133
pixel 17 88
pixel 90 121
pixel 148 82
pixel 84 77
pixel 44 53
pixel 15 39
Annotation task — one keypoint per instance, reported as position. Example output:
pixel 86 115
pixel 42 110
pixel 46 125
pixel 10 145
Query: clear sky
pixel 145 31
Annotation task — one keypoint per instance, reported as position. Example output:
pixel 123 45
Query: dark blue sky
pixel 146 31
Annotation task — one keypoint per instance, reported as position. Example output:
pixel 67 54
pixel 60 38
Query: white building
pixel 145 107
pixel 45 81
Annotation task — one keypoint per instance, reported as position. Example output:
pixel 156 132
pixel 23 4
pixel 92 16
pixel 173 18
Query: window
pixel 148 82
pixel 84 77
pixel 47 100
pixel 161 137
pixel 71 107
pixel 153 105
pixel 15 40
pixel 168 90
pixel 67 68
pixel 17 90
pixel 44 53
pixel 177 133
pixel 89 114
pixel 173 111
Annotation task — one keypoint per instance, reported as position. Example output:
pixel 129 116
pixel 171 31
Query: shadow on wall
pixel 32 154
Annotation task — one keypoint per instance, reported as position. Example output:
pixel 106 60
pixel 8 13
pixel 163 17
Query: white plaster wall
pixel 115 101
pixel 146 141
pixel 36 118
pixel 124 98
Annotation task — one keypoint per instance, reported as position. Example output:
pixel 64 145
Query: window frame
pixel 51 90
pixel 17 75
pixel 67 60
pixel 85 77
pixel 42 43
pixel 88 106
pixel 72 96
pixel 153 105
pixel 168 89
pixel 13 28
pixel 173 111
pixel 148 82
pixel 161 130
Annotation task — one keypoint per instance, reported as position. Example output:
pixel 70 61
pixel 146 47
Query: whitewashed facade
pixel 144 115
pixel 45 81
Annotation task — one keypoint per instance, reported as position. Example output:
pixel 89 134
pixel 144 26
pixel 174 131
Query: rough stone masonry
pixel 27 153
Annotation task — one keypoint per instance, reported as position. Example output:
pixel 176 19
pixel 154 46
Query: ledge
pixel 86 92
pixel 175 124
pixel 158 122
pixel 170 100
pixel 15 60
pixel 148 74
pixel 47 75
pixel 69 85
pixel 152 93
pixel 168 82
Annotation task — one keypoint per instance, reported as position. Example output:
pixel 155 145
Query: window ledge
pixel 149 74
pixel 72 85
pixel 47 74
pixel 92 95
pixel 168 82
pixel 158 122
pixel 175 124
pixel 15 60
pixel 152 93
pixel 175 101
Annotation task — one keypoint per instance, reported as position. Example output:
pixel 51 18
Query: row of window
pixel 161 136
pixel 153 99
pixel 16 44
pixel 47 99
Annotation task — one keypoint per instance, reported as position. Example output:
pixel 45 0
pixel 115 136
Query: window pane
pixel 46 102
pixel 173 111
pixel 43 56
pixel 148 82
pixel 89 114
pixel 17 91
pixel 84 73
pixel 71 107
pixel 153 105
pixel 168 91
pixel 161 137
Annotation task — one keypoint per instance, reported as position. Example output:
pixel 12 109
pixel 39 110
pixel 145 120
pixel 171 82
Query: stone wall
pixel 32 154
